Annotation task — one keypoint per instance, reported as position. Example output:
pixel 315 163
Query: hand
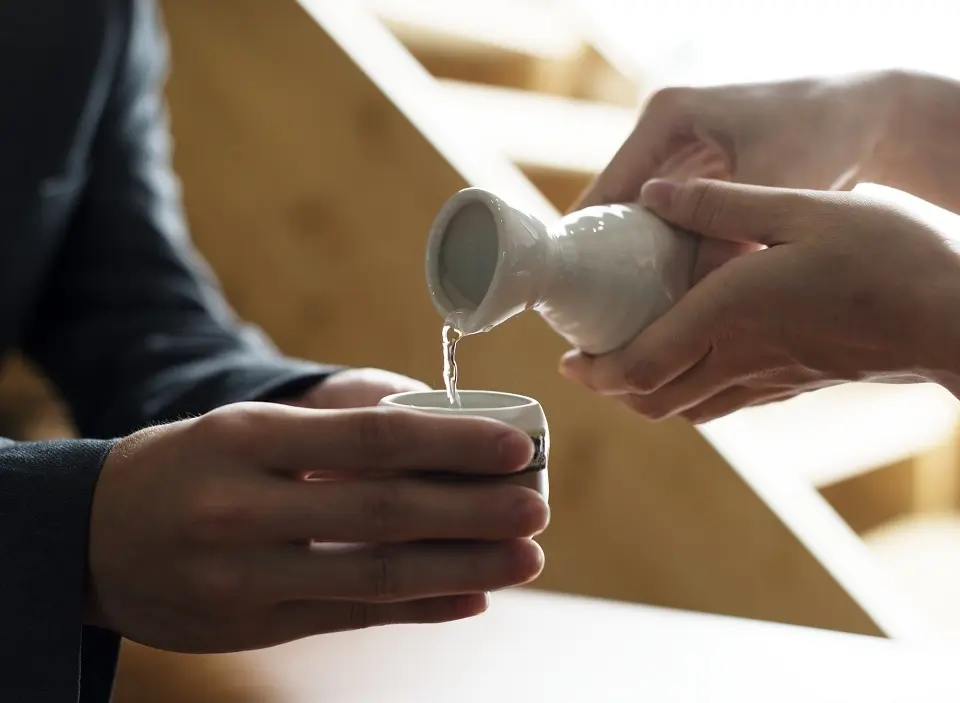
pixel 795 134
pixel 357 388
pixel 201 530
pixel 851 288
pixel 799 134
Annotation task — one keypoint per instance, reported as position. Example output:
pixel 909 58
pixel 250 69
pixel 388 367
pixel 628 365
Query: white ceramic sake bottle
pixel 598 276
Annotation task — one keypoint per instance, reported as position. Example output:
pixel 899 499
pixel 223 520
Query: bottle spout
pixel 484 260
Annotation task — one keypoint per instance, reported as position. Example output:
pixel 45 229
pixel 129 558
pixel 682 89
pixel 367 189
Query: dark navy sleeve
pixel 133 328
pixel 46 491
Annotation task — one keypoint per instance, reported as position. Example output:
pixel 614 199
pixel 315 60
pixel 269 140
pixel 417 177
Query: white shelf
pixel 921 556
pixel 531 27
pixel 838 432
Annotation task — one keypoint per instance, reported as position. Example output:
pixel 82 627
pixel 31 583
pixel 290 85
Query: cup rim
pixel 523 401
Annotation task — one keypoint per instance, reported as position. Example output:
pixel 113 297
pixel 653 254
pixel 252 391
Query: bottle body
pixel 598 276
pixel 616 269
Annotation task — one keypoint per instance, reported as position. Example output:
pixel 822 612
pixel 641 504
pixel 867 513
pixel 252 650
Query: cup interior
pixel 471 401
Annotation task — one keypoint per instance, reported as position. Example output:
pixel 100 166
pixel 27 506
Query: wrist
pixel 870 105
pixel 924 108
pixel 92 612
pixel 919 150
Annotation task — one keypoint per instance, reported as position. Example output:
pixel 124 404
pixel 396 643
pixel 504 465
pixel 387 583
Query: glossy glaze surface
pixel 598 276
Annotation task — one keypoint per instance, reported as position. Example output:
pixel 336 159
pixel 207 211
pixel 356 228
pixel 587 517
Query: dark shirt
pixel 99 285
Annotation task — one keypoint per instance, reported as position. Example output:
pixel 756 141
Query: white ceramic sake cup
pixel 519 411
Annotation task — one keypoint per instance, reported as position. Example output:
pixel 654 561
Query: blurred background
pixel 316 141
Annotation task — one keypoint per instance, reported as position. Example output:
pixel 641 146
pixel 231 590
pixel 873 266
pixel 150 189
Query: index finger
pixel 636 160
pixel 289 439
pixel 738 212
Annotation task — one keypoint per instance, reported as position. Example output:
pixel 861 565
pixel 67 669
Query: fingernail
pixel 516 449
pixel 658 194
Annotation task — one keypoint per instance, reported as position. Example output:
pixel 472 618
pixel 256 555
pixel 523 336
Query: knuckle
pixel 378 434
pixel 642 376
pixel 231 429
pixel 214 519
pixel 706 205
pixel 381 576
pixel 670 99
pixel 359 616
pixel 380 508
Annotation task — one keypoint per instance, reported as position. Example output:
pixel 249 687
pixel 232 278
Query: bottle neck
pixel 523 267
pixel 553 265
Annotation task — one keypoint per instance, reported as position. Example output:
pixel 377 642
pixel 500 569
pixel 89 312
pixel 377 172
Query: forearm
pixel 137 376
pixel 920 150
pixel 180 372
pixel 132 326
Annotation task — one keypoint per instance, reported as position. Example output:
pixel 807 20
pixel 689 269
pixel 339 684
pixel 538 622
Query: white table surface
pixel 534 646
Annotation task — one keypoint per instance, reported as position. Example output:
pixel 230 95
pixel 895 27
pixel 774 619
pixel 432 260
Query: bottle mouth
pixel 464 251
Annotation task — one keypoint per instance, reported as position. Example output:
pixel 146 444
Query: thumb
pixel 731 211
